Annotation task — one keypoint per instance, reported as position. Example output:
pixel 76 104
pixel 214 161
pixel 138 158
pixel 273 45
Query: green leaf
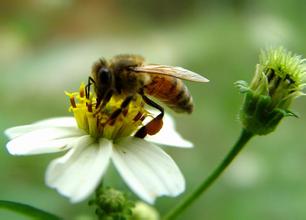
pixel 27 210
pixel 242 86
pixel 287 113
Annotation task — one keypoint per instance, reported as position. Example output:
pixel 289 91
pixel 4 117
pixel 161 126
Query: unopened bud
pixel 279 78
pixel 142 211
pixel 112 204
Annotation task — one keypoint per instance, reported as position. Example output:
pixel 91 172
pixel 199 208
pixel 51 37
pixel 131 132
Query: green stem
pixel 243 139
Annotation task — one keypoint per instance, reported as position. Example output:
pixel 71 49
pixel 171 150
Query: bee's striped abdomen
pixel 170 91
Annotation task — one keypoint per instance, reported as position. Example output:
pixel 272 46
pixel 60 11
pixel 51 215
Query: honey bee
pixel 128 75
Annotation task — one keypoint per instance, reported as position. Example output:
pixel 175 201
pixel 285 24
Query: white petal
pixel 45 140
pixel 19 130
pixel 77 174
pixel 52 122
pixel 147 169
pixel 168 135
pixel 58 122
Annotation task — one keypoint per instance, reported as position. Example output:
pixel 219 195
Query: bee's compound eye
pixel 104 75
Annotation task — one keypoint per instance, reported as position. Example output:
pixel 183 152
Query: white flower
pixel 145 167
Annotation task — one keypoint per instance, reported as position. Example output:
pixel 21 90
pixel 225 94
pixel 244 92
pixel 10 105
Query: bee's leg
pixel 87 87
pixel 155 124
pixel 102 103
pixel 116 113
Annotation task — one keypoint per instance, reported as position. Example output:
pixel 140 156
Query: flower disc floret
pixel 98 122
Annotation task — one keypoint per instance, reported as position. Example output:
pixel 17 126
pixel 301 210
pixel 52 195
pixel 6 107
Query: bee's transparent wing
pixel 175 71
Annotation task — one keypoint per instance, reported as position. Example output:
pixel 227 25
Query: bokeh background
pixel 49 46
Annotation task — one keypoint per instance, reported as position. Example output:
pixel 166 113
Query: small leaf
pixel 242 86
pixel 28 210
pixel 287 113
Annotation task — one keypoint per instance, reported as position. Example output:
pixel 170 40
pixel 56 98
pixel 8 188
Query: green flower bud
pixel 279 78
pixel 112 204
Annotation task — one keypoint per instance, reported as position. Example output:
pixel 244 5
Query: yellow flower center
pixel 98 122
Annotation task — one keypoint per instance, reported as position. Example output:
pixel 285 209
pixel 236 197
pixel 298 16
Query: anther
pixel 89 107
pixel 142 118
pixel 124 112
pixel 138 116
pixel 82 94
pixel 72 102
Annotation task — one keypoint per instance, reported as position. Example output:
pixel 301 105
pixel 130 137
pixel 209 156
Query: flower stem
pixel 243 139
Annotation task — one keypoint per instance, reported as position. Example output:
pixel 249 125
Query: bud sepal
pixel 256 116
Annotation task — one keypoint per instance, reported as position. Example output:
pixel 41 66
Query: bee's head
pixel 102 75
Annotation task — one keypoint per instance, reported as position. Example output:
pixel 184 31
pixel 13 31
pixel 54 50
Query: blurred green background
pixel 49 46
